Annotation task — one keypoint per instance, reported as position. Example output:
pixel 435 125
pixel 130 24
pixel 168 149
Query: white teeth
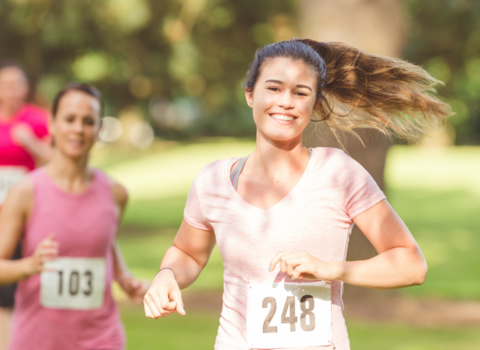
pixel 282 117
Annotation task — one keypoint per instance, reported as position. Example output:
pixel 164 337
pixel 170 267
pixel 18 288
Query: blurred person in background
pixel 285 212
pixel 66 215
pixel 24 144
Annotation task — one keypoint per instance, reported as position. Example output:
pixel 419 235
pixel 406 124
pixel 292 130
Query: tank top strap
pixel 41 183
pixel 101 182
pixel 239 167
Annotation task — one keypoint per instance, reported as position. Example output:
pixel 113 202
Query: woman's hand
pixel 163 296
pixel 23 134
pixel 300 265
pixel 46 250
pixel 135 289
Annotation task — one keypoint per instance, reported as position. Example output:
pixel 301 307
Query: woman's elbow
pixel 420 273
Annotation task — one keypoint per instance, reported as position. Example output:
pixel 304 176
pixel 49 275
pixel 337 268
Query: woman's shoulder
pixel 21 194
pixel 333 157
pixel 212 177
pixel 215 169
pixel 119 192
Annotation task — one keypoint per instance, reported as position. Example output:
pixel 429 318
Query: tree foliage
pixel 181 62
pixel 189 56
pixel 445 39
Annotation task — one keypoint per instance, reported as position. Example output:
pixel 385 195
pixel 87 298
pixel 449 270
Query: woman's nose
pixel 286 101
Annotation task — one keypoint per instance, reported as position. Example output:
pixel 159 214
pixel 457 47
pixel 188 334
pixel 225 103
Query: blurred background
pixel 171 74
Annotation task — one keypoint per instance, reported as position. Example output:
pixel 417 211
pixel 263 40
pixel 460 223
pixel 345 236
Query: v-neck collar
pixel 234 194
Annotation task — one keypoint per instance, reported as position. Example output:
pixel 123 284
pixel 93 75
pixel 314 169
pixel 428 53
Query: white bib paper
pixel 76 284
pixel 9 176
pixel 285 315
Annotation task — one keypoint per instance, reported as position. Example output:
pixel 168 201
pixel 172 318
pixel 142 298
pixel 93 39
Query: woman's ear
pixel 249 97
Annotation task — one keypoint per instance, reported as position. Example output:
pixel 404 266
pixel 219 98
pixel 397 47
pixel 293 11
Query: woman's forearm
pixel 394 268
pixel 119 263
pixel 185 268
pixel 39 149
pixel 12 271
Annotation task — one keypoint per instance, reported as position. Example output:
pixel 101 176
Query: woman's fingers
pixel 177 297
pixel 275 261
pixel 297 272
pixel 148 312
pixel 150 304
pixel 290 261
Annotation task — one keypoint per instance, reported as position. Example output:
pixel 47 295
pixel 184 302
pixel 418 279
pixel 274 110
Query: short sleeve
pixel 361 190
pixel 193 210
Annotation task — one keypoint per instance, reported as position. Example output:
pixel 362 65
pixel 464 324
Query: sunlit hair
pixel 356 89
pixel 85 88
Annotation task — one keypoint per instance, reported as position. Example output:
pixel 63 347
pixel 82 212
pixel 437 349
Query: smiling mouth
pixel 283 117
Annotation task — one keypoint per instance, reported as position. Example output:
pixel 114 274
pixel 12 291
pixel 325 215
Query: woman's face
pixel 76 125
pixel 13 87
pixel 283 99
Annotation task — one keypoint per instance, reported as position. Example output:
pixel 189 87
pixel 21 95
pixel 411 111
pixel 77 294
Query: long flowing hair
pixel 356 89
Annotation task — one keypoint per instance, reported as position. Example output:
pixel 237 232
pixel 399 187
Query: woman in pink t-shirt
pixel 66 215
pixel 24 143
pixel 282 224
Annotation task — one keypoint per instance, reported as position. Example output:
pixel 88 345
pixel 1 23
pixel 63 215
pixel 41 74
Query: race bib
pixel 9 176
pixel 73 283
pixel 285 315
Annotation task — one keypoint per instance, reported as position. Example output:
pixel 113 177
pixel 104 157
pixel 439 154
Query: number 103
pixel 74 282
pixel 292 319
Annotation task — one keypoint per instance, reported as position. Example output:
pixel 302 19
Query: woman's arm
pixel 13 216
pixel 180 267
pixel 40 149
pixel 134 288
pixel 399 262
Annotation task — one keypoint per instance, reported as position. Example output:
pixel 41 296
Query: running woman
pixel 67 214
pixel 282 217
pixel 24 143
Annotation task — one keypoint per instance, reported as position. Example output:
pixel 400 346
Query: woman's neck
pixel 70 174
pixel 273 159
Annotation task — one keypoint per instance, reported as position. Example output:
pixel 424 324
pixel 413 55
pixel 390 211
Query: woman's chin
pixel 74 153
pixel 281 136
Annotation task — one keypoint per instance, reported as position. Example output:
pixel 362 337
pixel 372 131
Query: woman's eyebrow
pixel 281 82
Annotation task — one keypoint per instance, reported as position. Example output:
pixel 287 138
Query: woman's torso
pixel 315 217
pixel 84 226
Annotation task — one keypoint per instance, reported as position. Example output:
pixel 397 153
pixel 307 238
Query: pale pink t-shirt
pixel 315 217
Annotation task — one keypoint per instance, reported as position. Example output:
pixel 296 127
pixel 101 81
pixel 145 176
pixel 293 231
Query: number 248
pixel 292 319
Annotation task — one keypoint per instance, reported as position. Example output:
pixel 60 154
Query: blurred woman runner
pixel 24 143
pixel 67 215
pixel 289 213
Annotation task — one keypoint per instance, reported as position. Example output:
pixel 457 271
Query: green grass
pixel 368 336
pixel 144 252
pixel 194 331
pixel 446 226
pixel 198 330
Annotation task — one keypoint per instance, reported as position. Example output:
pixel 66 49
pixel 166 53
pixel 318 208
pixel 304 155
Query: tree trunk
pixel 376 26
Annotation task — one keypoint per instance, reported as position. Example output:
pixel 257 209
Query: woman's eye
pixel 274 89
pixel 70 120
pixel 301 94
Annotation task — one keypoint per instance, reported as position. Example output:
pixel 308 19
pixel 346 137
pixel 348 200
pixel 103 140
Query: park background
pixel 171 74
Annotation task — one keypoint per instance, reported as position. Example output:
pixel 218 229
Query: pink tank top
pixel 85 226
